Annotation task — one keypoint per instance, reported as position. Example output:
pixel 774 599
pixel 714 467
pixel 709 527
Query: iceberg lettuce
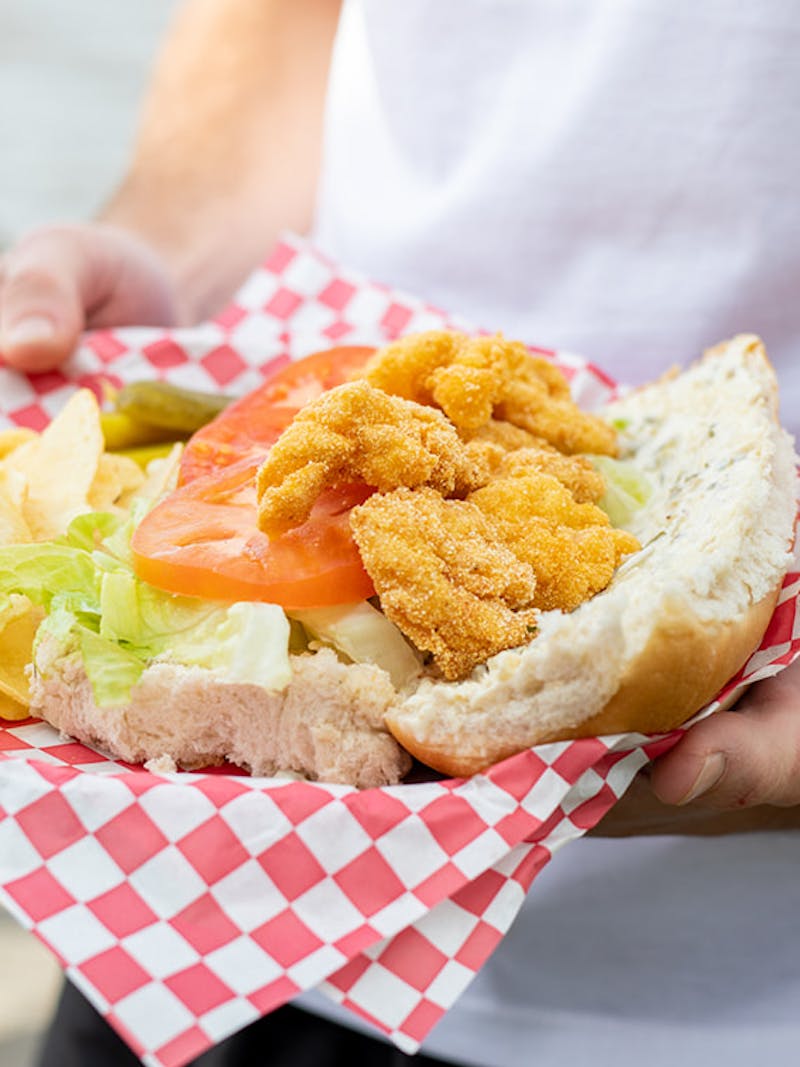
pixel 364 635
pixel 118 624
pixel 627 489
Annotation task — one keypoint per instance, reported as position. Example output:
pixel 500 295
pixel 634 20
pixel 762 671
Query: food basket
pixel 185 906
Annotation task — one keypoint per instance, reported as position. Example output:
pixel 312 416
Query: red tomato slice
pixel 203 540
pixel 250 425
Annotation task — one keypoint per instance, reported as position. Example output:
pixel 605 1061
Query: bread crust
pixel 642 656
pixel 690 647
pixel 684 665
pixel 681 668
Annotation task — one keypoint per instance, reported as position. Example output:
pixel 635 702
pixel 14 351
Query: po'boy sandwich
pixel 428 549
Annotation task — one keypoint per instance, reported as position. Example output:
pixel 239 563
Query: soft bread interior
pixel 680 617
pixel 327 725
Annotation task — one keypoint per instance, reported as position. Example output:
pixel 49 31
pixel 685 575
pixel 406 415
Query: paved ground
pixel 70 76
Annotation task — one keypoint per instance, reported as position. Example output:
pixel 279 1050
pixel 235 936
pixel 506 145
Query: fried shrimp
pixel 473 379
pixel 586 484
pixel 358 433
pixel 571 546
pixel 505 434
pixel 484 514
pixel 576 473
pixel 444 576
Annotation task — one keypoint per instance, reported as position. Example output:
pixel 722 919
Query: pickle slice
pixel 170 407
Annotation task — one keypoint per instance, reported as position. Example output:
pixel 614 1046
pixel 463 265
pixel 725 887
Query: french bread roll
pixel 680 617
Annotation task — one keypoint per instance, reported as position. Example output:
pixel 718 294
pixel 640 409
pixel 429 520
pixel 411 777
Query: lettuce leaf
pixel 42 570
pixel 627 489
pixel 98 608
pixel 112 670
pixel 364 635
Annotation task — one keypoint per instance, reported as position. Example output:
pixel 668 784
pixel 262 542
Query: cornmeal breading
pixel 585 483
pixel 444 576
pixel 491 443
pixel 508 436
pixel 483 515
pixel 571 546
pixel 560 423
pixel 358 433
pixel 473 379
pixel 576 473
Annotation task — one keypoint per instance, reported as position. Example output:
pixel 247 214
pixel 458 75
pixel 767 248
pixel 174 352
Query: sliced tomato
pixel 203 540
pixel 250 425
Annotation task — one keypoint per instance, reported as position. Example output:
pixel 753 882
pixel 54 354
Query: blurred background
pixel 71 75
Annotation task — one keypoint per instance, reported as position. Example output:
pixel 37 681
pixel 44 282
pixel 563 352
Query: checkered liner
pixel 186 906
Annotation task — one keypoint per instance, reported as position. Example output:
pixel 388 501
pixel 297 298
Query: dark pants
pixel 289 1037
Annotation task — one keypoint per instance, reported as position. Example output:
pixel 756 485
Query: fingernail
pixel 710 773
pixel 28 331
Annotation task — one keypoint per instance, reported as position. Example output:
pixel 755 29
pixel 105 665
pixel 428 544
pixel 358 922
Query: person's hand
pixel 742 758
pixel 60 280
pixel 734 771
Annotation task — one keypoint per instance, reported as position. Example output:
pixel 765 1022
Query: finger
pixel 741 758
pixel 640 812
pixel 43 293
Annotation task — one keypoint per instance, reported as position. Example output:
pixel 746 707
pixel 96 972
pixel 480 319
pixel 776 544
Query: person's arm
pixel 733 772
pixel 229 149
pixel 227 156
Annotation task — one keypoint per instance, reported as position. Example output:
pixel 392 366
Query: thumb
pixel 42 301
pixel 740 758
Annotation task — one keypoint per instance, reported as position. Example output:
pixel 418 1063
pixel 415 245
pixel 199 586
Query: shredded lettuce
pixel 118 624
pixel 627 489
pixel 364 635
pixel 112 670
pixel 41 571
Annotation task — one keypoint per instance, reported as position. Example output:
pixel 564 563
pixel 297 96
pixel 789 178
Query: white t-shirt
pixel 619 178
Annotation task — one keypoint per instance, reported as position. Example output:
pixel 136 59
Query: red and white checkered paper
pixel 186 906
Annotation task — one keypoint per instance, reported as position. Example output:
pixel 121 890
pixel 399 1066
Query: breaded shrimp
pixel 571 546
pixel 444 577
pixel 358 433
pixel 473 379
